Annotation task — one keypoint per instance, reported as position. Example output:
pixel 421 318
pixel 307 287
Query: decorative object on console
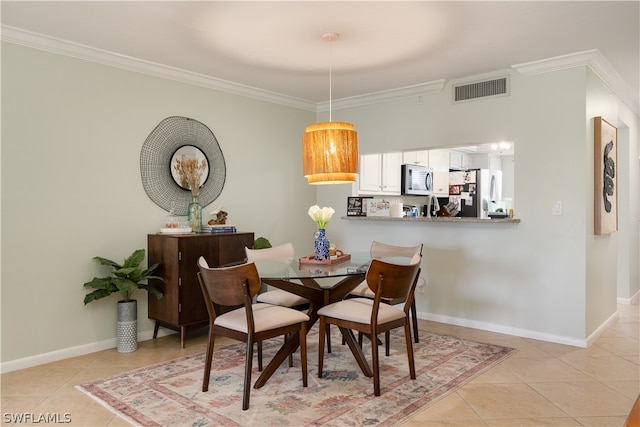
pixel 321 217
pixel 173 138
pixel 605 186
pixel 126 279
pixel 190 170
pixel 330 149
pixel 221 217
pixel 219 223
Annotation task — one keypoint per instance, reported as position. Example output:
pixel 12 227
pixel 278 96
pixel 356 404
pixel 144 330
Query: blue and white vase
pixel 321 248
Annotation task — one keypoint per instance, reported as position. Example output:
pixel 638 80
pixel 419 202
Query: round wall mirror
pixel 173 138
pixel 184 154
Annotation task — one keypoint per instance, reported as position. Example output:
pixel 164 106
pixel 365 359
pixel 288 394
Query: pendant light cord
pixel 329 37
pixel 330 80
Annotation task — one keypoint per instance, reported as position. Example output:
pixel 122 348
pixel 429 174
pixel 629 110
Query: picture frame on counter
pixel 605 177
pixel 357 206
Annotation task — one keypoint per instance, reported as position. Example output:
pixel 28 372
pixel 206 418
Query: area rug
pixel 170 393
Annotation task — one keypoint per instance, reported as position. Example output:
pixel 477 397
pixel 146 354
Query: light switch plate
pixel 556 208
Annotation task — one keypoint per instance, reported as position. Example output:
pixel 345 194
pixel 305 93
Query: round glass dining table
pixel 321 284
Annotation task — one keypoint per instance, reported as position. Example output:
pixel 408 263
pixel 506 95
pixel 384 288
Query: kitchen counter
pixel 449 219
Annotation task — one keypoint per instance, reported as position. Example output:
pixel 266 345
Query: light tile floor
pixel 543 384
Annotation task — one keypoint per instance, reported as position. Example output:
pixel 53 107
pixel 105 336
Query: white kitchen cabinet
pixel 416 157
pixel 459 160
pixel 455 160
pixel 439 161
pixel 466 161
pixel 380 173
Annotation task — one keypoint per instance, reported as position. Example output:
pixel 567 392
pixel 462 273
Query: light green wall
pixel 535 279
pixel 72 132
pixel 612 258
pixel 71 137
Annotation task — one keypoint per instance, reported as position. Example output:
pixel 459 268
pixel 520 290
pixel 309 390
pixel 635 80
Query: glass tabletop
pixel 356 264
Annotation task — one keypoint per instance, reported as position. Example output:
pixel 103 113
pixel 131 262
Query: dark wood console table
pixel 182 306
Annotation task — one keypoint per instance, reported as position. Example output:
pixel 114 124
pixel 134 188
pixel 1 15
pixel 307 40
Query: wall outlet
pixel 421 286
pixel 556 208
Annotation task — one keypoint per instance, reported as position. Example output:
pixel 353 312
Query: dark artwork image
pixel 609 175
pixel 605 194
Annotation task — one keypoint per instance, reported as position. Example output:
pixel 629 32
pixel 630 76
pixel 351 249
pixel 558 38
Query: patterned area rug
pixel 170 393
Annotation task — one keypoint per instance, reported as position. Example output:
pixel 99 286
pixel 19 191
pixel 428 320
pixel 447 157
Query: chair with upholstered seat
pixel 372 317
pixel 282 253
pixel 228 293
pixel 383 250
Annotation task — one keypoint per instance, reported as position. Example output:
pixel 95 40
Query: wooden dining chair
pixel 372 317
pixel 381 250
pixel 282 253
pixel 228 294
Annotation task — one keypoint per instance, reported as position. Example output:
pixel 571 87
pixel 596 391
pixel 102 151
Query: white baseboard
pixel 630 301
pixel 524 333
pixel 27 362
pixel 594 336
pixel 65 353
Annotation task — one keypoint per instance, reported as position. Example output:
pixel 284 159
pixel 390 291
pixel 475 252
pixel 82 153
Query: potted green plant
pixel 125 279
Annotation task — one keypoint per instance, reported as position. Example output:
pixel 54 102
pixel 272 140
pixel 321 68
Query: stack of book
pixel 220 228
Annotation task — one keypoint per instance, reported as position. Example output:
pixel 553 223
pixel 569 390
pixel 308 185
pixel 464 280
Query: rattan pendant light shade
pixel 330 149
pixel 330 153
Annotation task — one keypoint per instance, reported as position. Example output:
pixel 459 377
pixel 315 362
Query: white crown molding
pixel 435 86
pixel 590 58
pixel 88 53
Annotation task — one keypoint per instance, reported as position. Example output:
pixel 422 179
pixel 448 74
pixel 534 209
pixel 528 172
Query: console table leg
pixel 155 330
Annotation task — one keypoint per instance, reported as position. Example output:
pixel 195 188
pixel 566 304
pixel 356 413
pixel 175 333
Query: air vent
pixel 467 92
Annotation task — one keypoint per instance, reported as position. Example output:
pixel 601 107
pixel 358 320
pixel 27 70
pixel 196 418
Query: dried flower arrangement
pixel 191 171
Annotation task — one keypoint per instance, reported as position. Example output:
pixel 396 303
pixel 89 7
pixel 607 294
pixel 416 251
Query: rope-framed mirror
pixel 173 138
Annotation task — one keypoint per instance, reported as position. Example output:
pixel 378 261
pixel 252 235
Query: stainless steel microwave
pixel 417 180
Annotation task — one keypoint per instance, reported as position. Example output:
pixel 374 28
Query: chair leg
pixel 207 364
pixel 290 355
pixel 414 320
pixel 323 332
pixel 412 366
pixel 376 366
pixel 259 356
pixel 303 353
pixel 328 338
pixel 387 342
pixel 247 375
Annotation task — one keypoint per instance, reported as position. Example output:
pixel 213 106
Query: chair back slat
pixel 383 250
pixel 224 286
pixel 283 253
pixel 395 279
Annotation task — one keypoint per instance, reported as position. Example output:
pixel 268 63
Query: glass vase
pixel 195 215
pixel 321 247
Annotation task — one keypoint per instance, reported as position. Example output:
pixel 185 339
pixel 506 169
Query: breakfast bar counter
pixel 447 219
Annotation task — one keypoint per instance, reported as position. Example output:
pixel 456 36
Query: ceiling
pixel 277 47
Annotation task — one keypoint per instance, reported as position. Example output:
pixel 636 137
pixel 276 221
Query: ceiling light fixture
pixel 330 149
